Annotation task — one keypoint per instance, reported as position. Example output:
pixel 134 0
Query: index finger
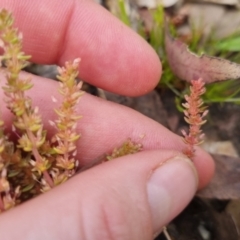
pixel 113 56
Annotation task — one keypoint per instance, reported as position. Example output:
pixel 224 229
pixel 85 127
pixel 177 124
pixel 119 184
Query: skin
pixel 134 196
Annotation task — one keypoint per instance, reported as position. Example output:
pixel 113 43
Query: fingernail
pixel 170 188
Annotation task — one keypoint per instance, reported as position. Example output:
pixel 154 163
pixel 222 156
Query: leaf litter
pixel 188 66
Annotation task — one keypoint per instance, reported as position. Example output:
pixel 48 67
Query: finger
pixel 113 56
pixel 132 197
pixel 106 125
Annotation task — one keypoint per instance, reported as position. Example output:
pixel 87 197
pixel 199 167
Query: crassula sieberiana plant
pixel 194 112
pixel 34 163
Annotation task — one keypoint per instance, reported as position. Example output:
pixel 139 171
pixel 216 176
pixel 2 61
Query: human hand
pixel 132 197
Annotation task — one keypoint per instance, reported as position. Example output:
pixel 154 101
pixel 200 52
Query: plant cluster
pixel 34 163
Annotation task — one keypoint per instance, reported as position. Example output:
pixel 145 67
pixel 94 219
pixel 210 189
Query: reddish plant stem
pixel 37 156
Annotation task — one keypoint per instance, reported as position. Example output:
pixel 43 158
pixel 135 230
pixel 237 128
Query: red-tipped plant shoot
pixel 194 113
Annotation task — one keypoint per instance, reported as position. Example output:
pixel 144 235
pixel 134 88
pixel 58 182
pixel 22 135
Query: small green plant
pixel 35 163
pixel 123 14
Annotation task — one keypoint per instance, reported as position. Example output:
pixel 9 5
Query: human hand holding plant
pixel 131 197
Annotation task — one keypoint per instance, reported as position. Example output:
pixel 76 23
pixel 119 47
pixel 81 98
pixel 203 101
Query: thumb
pixel 131 197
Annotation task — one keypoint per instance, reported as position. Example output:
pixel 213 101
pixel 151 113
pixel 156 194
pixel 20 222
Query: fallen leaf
pixel 225 2
pixel 220 147
pixel 205 17
pixel 227 26
pixel 226 181
pixel 188 66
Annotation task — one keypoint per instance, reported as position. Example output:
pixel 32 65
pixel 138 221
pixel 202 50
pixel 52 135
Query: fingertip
pixel 114 57
pixel 171 193
pixel 205 166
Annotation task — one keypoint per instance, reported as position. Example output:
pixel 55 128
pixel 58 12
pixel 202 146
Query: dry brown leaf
pixel 223 2
pixel 227 25
pixel 188 66
pixel 226 181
